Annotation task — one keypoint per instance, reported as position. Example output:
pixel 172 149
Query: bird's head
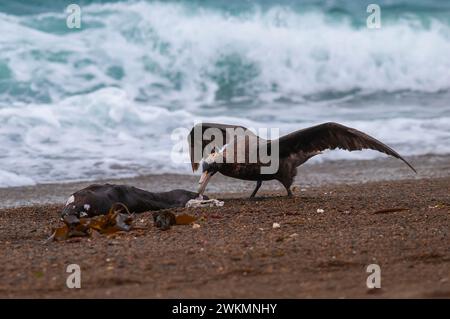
pixel 210 166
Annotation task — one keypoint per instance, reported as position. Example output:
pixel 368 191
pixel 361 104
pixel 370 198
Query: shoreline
pixel 400 225
pixel 309 175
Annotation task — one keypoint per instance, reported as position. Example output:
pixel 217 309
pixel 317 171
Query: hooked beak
pixel 204 179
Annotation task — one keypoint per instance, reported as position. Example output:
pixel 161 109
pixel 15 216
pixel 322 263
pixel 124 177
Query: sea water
pixel 103 100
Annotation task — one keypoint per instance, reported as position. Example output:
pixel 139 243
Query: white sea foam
pixel 175 55
pixel 104 101
pixel 10 179
pixel 105 134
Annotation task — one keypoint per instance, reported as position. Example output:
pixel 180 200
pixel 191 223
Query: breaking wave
pixel 103 101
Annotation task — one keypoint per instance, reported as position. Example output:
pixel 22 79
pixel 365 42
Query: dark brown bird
pixel 241 156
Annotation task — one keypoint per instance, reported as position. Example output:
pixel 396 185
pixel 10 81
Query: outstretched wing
pixel 331 136
pixel 198 141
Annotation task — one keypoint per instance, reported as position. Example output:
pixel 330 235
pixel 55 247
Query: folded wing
pixel 198 140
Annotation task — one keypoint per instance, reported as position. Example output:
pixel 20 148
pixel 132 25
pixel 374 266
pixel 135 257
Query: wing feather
pixel 331 136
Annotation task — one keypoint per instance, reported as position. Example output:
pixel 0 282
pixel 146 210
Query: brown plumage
pixel 201 143
pixel 294 149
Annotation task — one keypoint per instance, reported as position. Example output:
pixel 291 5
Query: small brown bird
pixel 294 149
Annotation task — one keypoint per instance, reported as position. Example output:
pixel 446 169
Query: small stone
pixel 276 225
pixel 320 210
pixel 195 226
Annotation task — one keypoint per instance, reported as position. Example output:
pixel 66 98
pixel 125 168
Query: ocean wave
pixel 107 134
pixel 177 55
pixel 104 101
pixel 10 179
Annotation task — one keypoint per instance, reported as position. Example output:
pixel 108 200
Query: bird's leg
pixel 258 185
pixel 289 193
pixel 287 184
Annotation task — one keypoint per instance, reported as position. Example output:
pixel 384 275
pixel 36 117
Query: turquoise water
pixel 104 100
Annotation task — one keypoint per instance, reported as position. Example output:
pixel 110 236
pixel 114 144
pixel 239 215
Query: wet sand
pixel 236 252
pixel 309 175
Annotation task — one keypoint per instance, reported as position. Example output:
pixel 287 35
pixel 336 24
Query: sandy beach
pixel 129 92
pixel 374 212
